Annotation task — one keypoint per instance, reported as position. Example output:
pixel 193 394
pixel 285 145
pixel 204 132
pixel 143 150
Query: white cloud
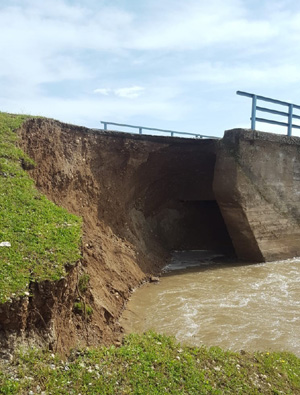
pixel 89 111
pixel 43 41
pixel 102 91
pixel 225 73
pixel 129 93
pixel 194 25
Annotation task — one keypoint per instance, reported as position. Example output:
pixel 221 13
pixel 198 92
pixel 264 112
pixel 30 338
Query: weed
pixel 82 308
pixel 83 282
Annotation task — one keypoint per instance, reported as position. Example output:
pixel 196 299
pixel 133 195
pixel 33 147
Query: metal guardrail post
pixel 140 130
pixel 290 121
pixel 253 112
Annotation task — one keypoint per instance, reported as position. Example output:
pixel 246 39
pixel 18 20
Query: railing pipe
pixel 290 116
pixel 268 99
pixel 172 132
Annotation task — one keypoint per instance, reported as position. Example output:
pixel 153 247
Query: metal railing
pixel 172 132
pixel 289 114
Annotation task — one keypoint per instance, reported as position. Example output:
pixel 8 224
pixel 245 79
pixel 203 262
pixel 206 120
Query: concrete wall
pixel 257 187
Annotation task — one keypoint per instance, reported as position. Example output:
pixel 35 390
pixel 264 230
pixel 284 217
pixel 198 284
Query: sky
pixel 160 63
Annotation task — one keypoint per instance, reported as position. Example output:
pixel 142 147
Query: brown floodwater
pixel 203 300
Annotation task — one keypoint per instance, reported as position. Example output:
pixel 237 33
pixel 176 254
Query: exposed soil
pixel 139 197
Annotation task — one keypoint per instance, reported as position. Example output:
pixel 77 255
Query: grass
pixel 83 282
pixel 44 238
pixel 82 309
pixel 152 364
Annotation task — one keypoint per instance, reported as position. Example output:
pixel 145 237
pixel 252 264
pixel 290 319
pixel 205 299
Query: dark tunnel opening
pixel 176 190
pixel 194 225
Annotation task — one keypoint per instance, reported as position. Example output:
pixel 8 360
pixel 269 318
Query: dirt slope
pixel 136 196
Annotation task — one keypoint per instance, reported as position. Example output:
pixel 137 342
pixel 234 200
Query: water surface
pixel 203 299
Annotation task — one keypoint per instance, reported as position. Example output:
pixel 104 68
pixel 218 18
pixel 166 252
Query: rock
pixel 154 279
pixel 5 244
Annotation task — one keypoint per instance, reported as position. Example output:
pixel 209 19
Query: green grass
pixel 44 237
pixel 82 309
pixel 83 282
pixel 152 364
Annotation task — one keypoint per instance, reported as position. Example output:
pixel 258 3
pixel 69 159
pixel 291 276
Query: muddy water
pixel 204 300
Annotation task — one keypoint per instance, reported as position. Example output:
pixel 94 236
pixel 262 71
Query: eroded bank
pixel 139 196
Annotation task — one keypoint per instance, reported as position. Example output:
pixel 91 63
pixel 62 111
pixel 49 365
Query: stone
pixel 154 279
pixel 5 244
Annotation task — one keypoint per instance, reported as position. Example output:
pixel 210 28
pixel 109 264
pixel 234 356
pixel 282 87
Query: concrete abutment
pixel 257 187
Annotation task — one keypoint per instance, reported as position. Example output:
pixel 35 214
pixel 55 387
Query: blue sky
pixel 167 64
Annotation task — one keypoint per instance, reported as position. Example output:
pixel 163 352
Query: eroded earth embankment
pixel 139 196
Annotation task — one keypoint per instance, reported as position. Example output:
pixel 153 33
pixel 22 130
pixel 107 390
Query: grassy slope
pixel 152 364
pixel 44 237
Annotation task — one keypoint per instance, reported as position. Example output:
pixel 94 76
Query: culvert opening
pixel 194 225
pixel 175 187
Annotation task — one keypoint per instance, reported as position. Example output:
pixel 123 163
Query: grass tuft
pixel 44 238
pixel 83 282
pixel 82 309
